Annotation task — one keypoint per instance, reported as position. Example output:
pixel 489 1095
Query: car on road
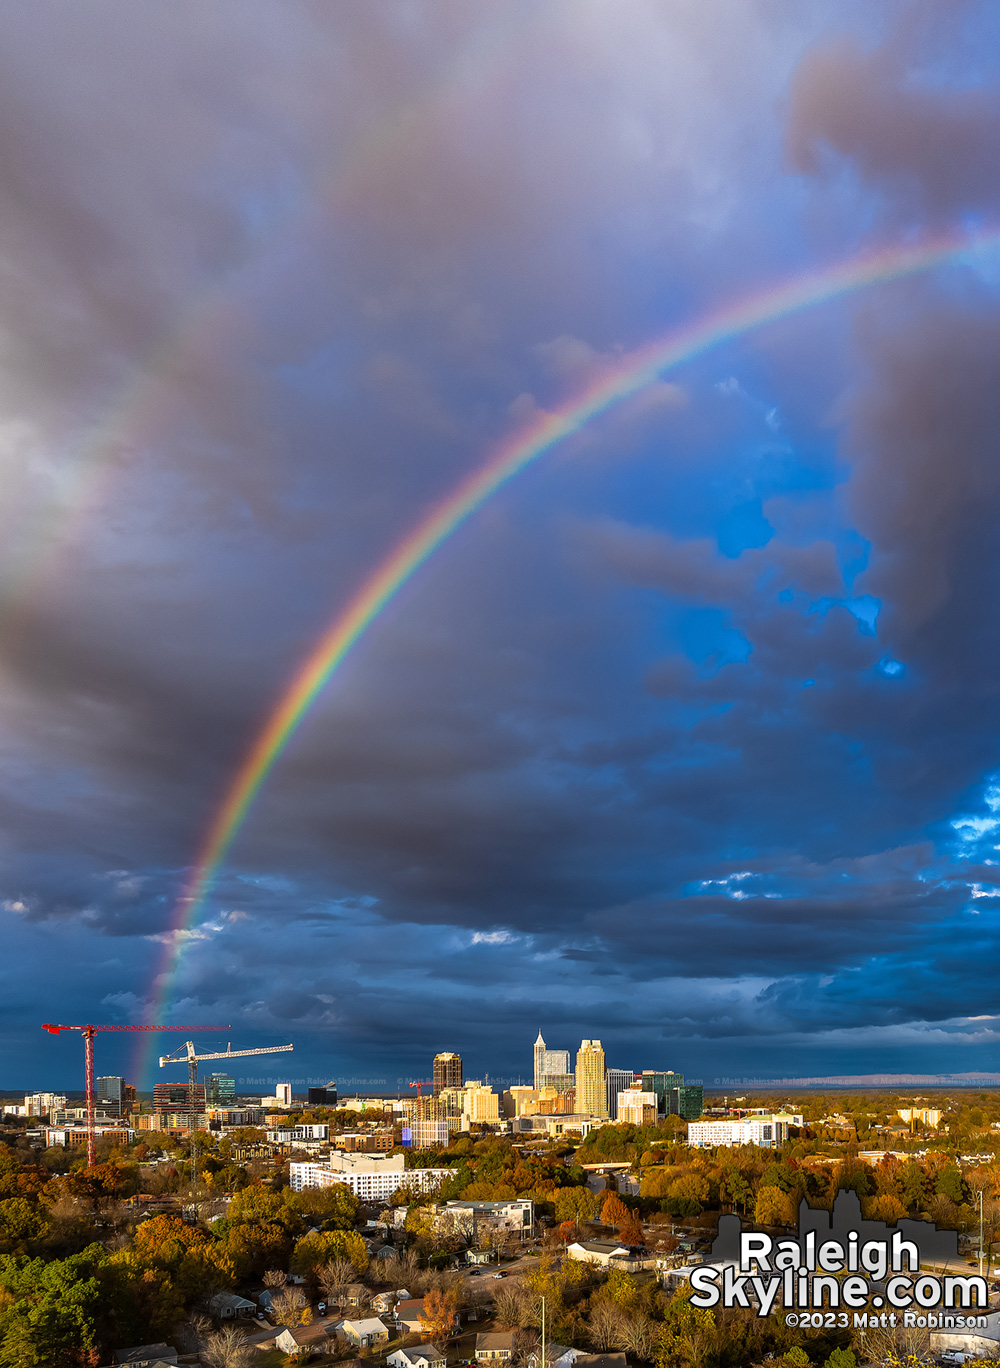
pixel 499 1275
pixel 321 1308
pixel 475 1273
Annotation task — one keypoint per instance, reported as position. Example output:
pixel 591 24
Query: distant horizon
pixel 818 1084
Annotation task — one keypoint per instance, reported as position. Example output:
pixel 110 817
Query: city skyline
pixel 504 532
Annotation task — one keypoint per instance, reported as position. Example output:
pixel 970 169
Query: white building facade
pixel 371 1177
pixel 767 1132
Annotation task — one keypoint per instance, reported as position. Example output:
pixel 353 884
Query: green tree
pixel 914 1185
pixel 950 1184
pixel 841 1358
pixel 320 1246
pixel 335 1207
pixel 50 1311
pixel 257 1204
pixel 21 1224
pixel 576 1204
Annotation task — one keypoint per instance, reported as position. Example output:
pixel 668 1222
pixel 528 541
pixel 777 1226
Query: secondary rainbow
pixel 631 374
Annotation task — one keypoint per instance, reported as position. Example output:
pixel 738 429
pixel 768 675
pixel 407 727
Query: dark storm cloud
pixel 668 743
pixel 927 144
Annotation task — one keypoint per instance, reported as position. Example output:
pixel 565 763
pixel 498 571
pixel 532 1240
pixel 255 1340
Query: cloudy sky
pixel 690 738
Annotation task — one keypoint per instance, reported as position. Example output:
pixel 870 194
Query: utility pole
pixel 980 1232
pixel 543 1333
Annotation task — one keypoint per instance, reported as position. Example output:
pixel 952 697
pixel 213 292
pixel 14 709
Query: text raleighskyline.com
pixel 830 1273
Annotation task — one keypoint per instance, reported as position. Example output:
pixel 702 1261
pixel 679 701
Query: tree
pixel 885 1207
pixel 256 1204
pixel 335 1207
pixel 320 1246
pixel 576 1204
pixel 914 1183
pixel 50 1311
pixel 841 1358
pixel 614 1212
pixel 621 1288
pixel 774 1207
pixel 253 1247
pixel 275 1278
pixel 691 1187
pixel 512 1306
pixel 228 1348
pixel 21 1224
pixel 290 1307
pixel 607 1324
pixel 950 1184
pixel 334 1277
pixel 439 1316
pixel 631 1231
pixel 639 1336
pixel 738 1187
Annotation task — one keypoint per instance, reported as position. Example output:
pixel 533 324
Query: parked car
pixel 321 1308
pixel 475 1273
pixel 499 1275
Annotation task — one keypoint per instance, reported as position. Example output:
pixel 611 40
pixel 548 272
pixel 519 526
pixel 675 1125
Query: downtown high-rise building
pixel 109 1095
pixel 220 1090
pixel 591 1079
pixel 447 1071
pixel 617 1081
pixel 552 1067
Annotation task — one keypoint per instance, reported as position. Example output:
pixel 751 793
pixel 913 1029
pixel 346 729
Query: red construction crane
pixel 88 1056
pixel 424 1083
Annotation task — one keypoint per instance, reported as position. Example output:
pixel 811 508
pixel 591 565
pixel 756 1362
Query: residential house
pixel 266 1298
pixel 606 1253
pixel 304 1340
pixel 386 1301
pixel 227 1305
pixel 479 1256
pixel 365 1332
pixel 146 1356
pixel 407 1316
pixel 356 1294
pixel 495 1346
pixel 556 1356
pixel 418 1356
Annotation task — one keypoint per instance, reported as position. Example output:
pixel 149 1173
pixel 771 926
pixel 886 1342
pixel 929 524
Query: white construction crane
pixel 192 1062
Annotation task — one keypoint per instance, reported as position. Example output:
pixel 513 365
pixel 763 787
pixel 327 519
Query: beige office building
pixel 591 1079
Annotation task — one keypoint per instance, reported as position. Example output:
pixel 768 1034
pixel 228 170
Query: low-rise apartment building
pixel 479 1218
pixel 287 1135
pixel 767 1132
pixel 371 1177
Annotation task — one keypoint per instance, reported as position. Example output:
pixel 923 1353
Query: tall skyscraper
pixel 618 1080
pixel 220 1090
pixel 551 1067
pixel 661 1082
pixel 687 1102
pixel 591 1079
pixel 447 1071
pixel 110 1095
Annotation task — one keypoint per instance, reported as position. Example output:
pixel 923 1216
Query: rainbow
pixel 629 375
